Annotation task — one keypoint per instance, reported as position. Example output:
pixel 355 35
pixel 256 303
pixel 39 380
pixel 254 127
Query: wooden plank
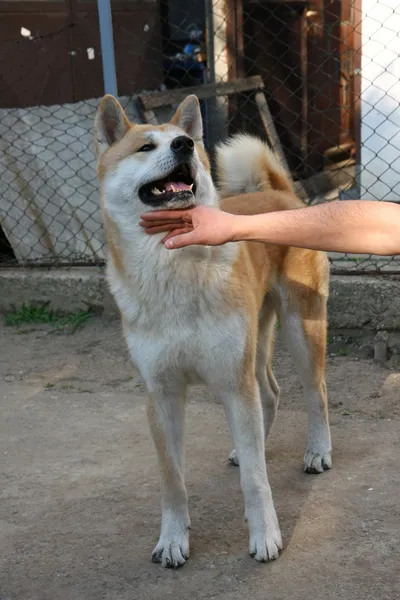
pixel 235 43
pixel 322 90
pixel 150 117
pixel 235 51
pixel 356 80
pixel 270 129
pixel 302 33
pixel 158 99
pixel 239 26
pixel 331 153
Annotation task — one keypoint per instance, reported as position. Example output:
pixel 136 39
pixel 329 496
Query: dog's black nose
pixel 182 145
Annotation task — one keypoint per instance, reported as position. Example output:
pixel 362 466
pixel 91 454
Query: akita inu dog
pixel 207 314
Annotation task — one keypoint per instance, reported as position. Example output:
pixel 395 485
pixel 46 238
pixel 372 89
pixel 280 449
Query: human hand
pixel 195 226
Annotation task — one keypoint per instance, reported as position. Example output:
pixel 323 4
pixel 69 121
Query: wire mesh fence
pixel 318 81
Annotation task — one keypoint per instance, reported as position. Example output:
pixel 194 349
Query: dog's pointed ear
pixel 111 124
pixel 188 118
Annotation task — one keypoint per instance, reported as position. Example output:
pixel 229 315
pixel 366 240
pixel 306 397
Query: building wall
pixel 380 100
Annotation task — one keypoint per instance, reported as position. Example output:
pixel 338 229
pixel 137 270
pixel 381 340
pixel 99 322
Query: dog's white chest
pixel 177 318
pixel 206 348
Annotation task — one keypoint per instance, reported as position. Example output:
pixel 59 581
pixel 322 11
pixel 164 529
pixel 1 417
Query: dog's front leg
pixel 243 407
pixel 166 410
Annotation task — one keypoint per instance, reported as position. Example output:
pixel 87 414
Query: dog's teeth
pixel 191 186
pixel 156 191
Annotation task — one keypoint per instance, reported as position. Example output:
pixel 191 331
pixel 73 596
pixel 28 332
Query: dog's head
pixel 152 167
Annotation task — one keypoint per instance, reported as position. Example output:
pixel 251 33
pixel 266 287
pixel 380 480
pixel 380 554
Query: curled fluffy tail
pixel 246 164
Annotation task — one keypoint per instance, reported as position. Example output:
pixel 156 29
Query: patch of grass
pixel 74 321
pixel 43 315
pixel 48 385
pixel 29 314
pixel 329 339
pixel 345 412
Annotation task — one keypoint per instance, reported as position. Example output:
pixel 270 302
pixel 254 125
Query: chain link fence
pixel 318 81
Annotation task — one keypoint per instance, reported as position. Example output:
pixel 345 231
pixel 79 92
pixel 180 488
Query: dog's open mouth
pixel 178 186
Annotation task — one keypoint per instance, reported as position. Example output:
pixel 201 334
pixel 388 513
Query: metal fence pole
pixel 107 47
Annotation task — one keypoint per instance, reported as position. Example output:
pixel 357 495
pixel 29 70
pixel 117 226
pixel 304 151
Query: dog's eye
pixel 147 148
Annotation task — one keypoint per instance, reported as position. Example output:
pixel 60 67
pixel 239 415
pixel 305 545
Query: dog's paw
pixel 317 462
pixel 265 540
pixel 266 545
pixel 233 458
pixel 172 551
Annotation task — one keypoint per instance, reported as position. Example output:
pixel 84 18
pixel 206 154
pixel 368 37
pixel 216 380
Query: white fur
pixel 239 161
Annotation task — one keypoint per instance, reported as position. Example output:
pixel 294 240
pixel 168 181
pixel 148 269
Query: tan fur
pixel 112 242
pixel 259 266
pixel 136 136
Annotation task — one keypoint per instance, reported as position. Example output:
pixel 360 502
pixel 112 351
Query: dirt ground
pixel 79 511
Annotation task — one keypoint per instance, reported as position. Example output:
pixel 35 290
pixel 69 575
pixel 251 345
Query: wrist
pixel 242 227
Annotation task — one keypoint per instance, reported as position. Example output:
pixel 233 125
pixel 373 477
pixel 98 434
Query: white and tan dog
pixel 202 314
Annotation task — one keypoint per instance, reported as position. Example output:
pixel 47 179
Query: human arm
pixel 360 227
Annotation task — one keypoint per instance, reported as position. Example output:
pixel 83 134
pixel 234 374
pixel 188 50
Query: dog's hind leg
pixel 304 328
pixel 166 410
pixel 269 389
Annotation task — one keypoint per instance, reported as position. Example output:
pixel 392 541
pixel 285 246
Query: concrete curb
pixel 364 302
pixel 356 302
pixel 67 290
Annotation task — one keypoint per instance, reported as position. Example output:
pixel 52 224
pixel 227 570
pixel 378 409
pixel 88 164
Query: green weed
pixel 42 314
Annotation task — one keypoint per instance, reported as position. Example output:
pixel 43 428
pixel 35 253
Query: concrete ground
pixel 79 511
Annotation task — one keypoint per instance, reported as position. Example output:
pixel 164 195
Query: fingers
pixel 178 224
pixel 180 240
pixel 164 215
pixel 152 227
pixel 176 232
pixel 161 228
pixel 147 223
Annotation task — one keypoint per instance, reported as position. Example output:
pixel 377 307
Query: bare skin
pixel 360 227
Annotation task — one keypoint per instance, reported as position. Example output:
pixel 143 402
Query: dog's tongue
pixel 176 186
